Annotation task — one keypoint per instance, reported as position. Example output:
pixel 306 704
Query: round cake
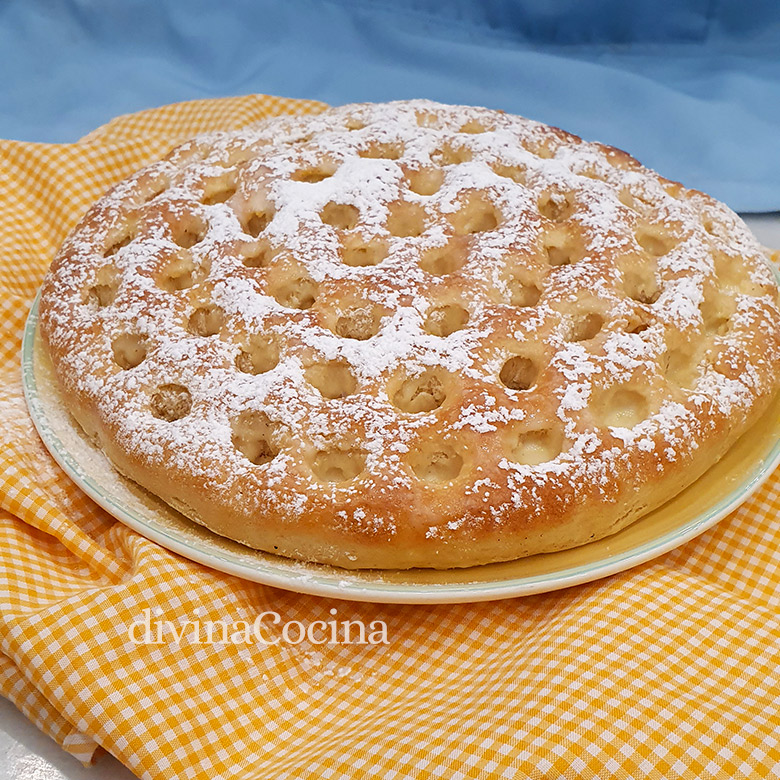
pixel 410 335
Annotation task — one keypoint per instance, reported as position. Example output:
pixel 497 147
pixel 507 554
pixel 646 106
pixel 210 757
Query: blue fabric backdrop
pixel 690 87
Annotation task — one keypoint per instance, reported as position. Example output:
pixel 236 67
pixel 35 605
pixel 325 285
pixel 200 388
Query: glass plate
pixel 721 490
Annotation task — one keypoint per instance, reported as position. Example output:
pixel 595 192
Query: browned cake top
pixel 389 301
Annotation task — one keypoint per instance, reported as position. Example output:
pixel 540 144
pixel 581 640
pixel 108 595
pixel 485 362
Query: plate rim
pixel 335 583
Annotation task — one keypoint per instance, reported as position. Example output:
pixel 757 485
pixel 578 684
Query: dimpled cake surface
pixel 410 334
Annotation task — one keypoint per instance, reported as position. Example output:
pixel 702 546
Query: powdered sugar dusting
pixel 383 284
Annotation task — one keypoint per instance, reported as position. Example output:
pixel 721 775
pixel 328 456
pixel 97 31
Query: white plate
pixel 723 488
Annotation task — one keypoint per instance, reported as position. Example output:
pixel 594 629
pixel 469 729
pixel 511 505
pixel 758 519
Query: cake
pixel 410 335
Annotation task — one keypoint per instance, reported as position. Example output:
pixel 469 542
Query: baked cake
pixel 410 334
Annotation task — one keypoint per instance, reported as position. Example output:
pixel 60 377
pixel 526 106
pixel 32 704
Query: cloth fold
pixel 670 670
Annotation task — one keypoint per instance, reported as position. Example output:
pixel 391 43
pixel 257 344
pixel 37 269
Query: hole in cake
pixel 382 151
pixel 533 447
pixel 519 373
pixel 679 367
pixel 418 394
pixel 257 255
pixel 405 219
pixel 709 227
pixel 311 175
pixel 627 199
pixel 171 402
pixel 220 196
pixel 476 215
pixel 187 231
pixel 641 286
pixel 654 239
pixel 623 408
pixel 118 242
pixel 177 274
pixel 294 291
pixel 218 190
pixel 732 272
pixel 446 319
pixel 314 174
pixel 359 322
pixel 129 350
pixel 425 181
pixel 256 222
pixel 359 253
pixel 151 189
pixel 555 206
pixel 340 215
pixel 473 127
pixel 105 287
pixel 442 260
pixel 584 326
pixel 260 354
pixel 337 465
pixel 637 323
pixel 435 462
pixel 522 294
pixel 449 154
pixel 513 172
pixel 427 119
pixel 716 313
pixel 252 435
pixel 634 200
pixel 560 248
pixel 333 379
pixel 206 320
pixel 237 154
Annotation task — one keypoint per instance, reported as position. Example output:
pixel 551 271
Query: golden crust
pixel 410 334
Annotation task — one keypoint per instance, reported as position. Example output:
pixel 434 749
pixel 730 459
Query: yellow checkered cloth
pixel 670 670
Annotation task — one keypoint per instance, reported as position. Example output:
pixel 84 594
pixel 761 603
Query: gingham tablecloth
pixel 670 670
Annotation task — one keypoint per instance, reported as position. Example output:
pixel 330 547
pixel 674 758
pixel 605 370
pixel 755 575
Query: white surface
pixel 766 227
pixel 26 754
